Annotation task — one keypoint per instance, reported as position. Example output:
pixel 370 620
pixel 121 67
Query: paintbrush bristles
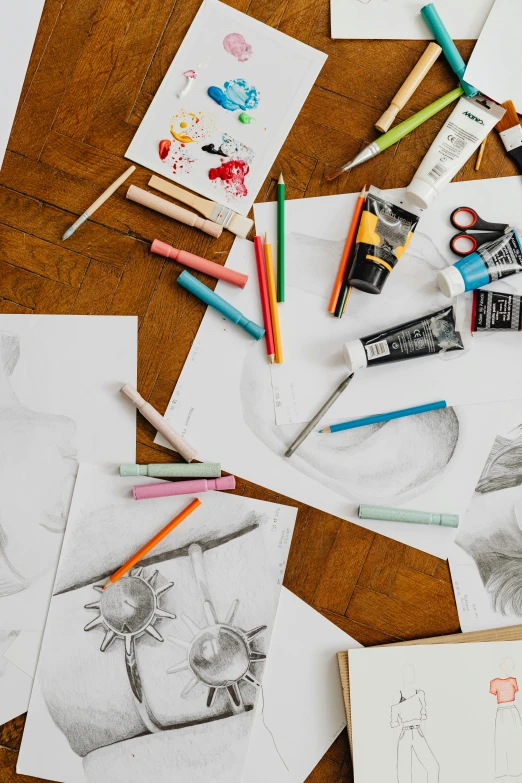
pixel 510 118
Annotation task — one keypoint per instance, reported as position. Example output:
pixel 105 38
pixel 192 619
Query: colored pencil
pixel 350 239
pixel 318 416
pixel 350 425
pixel 152 543
pixel 99 201
pixel 265 303
pixel 481 153
pixel 273 301
pixel 280 239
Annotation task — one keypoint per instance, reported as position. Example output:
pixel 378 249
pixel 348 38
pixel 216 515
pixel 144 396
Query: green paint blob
pixel 245 118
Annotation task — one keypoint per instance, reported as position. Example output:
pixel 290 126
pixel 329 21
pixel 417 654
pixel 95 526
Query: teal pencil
pixel 280 239
pixel 378 417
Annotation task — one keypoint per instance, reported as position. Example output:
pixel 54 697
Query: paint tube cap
pixel 355 355
pixel 451 282
pixel 369 277
pixel 420 193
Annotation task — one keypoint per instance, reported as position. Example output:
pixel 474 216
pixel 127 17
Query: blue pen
pixel 443 38
pixel 351 425
pixel 208 296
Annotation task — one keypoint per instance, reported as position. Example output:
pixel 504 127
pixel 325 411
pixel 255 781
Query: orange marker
pixel 350 239
pixel 152 543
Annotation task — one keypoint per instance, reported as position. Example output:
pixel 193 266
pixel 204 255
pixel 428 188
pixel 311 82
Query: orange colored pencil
pixel 350 239
pixel 152 543
pixel 272 297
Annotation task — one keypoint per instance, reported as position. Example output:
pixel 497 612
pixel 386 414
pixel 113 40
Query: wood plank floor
pixel 95 68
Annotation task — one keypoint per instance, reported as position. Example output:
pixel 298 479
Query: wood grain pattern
pixel 95 68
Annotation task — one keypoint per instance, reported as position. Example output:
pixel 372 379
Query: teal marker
pixel 174 470
pixel 227 310
pixel 407 515
pixel 445 41
pixel 399 131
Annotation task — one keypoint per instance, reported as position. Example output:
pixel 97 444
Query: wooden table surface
pixel 95 67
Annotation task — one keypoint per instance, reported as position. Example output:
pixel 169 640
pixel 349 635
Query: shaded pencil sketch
pixel 408 714
pixel 37 471
pixel 388 461
pixel 492 532
pixel 508 725
pixel 112 686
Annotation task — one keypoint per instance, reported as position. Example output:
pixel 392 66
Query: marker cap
pixel 355 355
pixel 226 482
pixel 451 282
pixel 420 193
pixel 449 520
pixel 161 248
pixel 133 470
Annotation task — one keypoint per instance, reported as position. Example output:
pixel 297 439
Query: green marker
pixel 399 132
pixel 407 515
pixel 280 239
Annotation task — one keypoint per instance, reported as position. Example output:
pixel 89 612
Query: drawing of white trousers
pixel 508 741
pixel 412 741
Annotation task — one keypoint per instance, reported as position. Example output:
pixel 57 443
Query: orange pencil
pixel 152 543
pixel 272 296
pixel 350 239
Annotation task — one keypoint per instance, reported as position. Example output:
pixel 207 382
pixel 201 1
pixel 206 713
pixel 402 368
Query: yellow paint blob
pixel 183 125
pixel 181 137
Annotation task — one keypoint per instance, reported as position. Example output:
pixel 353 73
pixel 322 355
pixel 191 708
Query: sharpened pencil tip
pixel 272 358
pixel 281 181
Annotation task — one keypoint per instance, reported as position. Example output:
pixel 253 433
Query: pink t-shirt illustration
pixel 504 688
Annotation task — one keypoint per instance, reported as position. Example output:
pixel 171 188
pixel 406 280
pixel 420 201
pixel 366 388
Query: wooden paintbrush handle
pixel 203 206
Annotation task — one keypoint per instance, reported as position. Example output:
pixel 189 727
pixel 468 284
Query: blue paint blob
pixel 236 94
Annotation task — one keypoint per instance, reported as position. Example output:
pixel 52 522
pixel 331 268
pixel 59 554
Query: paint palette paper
pixel 499 77
pixel 225 106
pixel 401 19
pixel 159 675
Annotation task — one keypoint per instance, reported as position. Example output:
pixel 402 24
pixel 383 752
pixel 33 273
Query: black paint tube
pixel 495 311
pixel 432 333
pixel 384 233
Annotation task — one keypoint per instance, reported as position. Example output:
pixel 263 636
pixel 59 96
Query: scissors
pixel 474 232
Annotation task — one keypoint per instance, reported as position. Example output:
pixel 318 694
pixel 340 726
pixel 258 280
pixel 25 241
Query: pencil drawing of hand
pixel 37 472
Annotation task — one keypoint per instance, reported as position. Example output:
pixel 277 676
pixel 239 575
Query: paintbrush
pixel 510 132
pixel 223 216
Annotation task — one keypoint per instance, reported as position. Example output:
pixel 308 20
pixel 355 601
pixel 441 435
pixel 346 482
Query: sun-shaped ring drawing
pixel 220 654
pixel 128 609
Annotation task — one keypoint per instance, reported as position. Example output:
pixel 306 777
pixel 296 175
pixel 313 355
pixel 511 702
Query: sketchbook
pixel 399 695
pixel 163 669
pixel 402 19
pixel 254 413
pixel 226 105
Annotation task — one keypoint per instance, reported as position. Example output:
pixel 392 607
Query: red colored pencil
pixel 265 302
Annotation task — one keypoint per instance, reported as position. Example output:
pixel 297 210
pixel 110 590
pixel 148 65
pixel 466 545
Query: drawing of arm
pixel 493 688
pixel 422 699
pixel 394 718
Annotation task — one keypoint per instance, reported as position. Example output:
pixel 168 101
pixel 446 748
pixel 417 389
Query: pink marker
pixel 145 491
pixel 201 264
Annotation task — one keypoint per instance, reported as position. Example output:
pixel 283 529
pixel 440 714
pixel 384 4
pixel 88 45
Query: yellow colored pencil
pixel 272 296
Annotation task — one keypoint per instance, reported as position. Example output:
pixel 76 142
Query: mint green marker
pixel 174 470
pixel 407 515
pixel 399 132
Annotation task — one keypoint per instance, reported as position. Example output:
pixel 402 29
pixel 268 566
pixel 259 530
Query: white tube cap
pixel 420 193
pixel 355 355
pixel 451 282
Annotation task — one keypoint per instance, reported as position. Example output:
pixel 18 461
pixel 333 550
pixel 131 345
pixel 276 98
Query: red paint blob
pixel 164 148
pixel 233 173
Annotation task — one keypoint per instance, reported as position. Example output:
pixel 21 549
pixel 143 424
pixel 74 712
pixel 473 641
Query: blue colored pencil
pixel 351 425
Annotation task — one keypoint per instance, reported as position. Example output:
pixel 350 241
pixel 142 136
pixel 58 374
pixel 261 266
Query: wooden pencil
pixel 350 239
pixel 280 239
pixel 263 293
pixel 480 154
pixel 272 296
pixel 152 543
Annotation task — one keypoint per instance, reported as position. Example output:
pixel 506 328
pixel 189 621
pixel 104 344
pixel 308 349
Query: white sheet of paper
pixel 59 403
pixel 426 713
pixel 24 651
pixel 279 72
pixel 431 462
pixel 15 691
pixel 498 77
pixel 301 711
pixel 402 19
pixel 17 33
pixel 485 557
pixel 226 561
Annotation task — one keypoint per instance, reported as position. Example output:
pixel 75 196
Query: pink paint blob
pixel 190 74
pixel 232 173
pixel 235 44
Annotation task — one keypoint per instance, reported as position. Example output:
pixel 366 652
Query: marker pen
pixel 174 470
pixel 169 488
pixel 407 515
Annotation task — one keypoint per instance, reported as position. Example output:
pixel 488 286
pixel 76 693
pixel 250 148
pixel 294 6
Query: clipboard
pixel 511 634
